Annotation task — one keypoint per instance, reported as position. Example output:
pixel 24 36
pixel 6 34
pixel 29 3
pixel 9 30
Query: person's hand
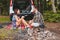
pixel 22 17
pixel 18 18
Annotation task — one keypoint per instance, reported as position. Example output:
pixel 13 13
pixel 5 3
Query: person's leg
pixel 24 22
pixel 18 22
pixel 30 22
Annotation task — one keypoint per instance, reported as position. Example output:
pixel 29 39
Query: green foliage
pixel 4 4
pixel 49 3
pixel 51 17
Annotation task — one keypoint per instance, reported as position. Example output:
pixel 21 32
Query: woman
pixel 17 21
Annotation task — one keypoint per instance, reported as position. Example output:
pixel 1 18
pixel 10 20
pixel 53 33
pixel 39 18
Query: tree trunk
pixel 53 6
pixel 0 11
pixel 57 1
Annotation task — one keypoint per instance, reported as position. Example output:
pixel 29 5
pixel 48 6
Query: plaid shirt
pixel 38 18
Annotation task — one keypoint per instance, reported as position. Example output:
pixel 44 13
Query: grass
pixel 4 33
pixel 4 19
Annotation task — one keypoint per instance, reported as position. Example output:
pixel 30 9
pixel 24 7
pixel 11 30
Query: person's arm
pixel 17 18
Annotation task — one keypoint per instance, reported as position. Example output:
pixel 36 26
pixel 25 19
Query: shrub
pixel 51 17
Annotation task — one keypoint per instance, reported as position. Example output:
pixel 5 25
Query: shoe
pixel 42 26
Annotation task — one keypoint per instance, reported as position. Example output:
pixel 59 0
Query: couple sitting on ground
pixel 17 21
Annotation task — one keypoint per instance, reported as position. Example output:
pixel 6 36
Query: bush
pixel 51 17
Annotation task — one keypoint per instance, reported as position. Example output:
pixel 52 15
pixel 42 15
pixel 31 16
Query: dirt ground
pixel 50 27
pixel 55 27
pixel 51 32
